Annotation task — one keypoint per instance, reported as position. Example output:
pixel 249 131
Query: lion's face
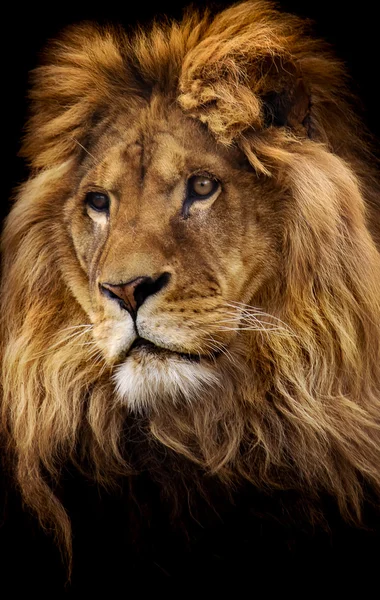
pixel 172 231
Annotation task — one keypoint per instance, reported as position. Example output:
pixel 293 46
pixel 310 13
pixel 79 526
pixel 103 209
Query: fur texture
pixel 274 289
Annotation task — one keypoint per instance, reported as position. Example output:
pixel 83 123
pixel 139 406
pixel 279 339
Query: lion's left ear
pixel 250 72
pixel 267 96
pixel 289 107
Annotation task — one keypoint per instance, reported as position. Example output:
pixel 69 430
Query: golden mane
pixel 302 410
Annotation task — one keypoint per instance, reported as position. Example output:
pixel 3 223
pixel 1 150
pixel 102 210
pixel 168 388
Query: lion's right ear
pixel 79 77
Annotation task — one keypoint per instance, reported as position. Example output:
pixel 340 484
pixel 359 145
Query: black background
pixel 351 28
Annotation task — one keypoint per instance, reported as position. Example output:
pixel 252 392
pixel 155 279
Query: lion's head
pixel 195 247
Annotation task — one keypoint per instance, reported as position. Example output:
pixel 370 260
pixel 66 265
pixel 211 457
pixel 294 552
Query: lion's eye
pixel 98 201
pixel 201 187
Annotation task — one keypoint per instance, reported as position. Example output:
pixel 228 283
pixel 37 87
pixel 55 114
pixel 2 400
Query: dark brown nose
pixel 132 295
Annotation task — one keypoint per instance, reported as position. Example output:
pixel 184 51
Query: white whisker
pixel 74 336
pixel 245 312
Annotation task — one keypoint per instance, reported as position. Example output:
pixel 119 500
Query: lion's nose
pixel 132 294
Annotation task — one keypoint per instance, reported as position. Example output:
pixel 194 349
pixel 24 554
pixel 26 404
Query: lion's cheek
pixel 113 337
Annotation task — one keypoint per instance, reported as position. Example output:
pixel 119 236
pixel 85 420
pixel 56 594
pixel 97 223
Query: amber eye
pixel 98 201
pixel 201 186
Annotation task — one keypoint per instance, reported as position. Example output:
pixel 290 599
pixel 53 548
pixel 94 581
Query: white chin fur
pixel 143 382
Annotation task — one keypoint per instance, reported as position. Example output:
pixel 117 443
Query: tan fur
pixel 275 280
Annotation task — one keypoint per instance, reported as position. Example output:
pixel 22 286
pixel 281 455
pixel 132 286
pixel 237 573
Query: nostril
pixel 132 295
pixel 109 294
pixel 149 287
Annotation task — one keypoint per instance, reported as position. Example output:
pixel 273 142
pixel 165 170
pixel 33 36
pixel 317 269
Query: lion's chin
pixel 151 376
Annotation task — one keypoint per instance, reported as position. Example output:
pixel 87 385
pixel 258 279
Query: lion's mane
pixel 301 411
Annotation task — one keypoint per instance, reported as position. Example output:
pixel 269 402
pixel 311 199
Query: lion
pixel 194 257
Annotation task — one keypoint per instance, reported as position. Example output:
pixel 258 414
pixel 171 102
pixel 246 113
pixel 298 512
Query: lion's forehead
pixel 158 151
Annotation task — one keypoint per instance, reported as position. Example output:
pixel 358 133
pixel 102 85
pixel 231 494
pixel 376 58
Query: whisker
pixel 221 348
pixel 74 336
pixel 242 304
pixel 254 312
pixel 78 334
pixel 266 329
pixel 239 320
pixel 89 325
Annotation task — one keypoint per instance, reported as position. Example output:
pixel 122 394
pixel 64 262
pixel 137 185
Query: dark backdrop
pixel 352 29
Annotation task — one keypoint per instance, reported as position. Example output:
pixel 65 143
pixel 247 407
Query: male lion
pixel 190 301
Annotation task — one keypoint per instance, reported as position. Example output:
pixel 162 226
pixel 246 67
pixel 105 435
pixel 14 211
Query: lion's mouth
pixel 145 347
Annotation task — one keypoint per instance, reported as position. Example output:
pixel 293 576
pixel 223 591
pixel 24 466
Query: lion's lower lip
pixel 141 344
pixel 145 344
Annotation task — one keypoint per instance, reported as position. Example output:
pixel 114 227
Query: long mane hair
pixel 302 409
